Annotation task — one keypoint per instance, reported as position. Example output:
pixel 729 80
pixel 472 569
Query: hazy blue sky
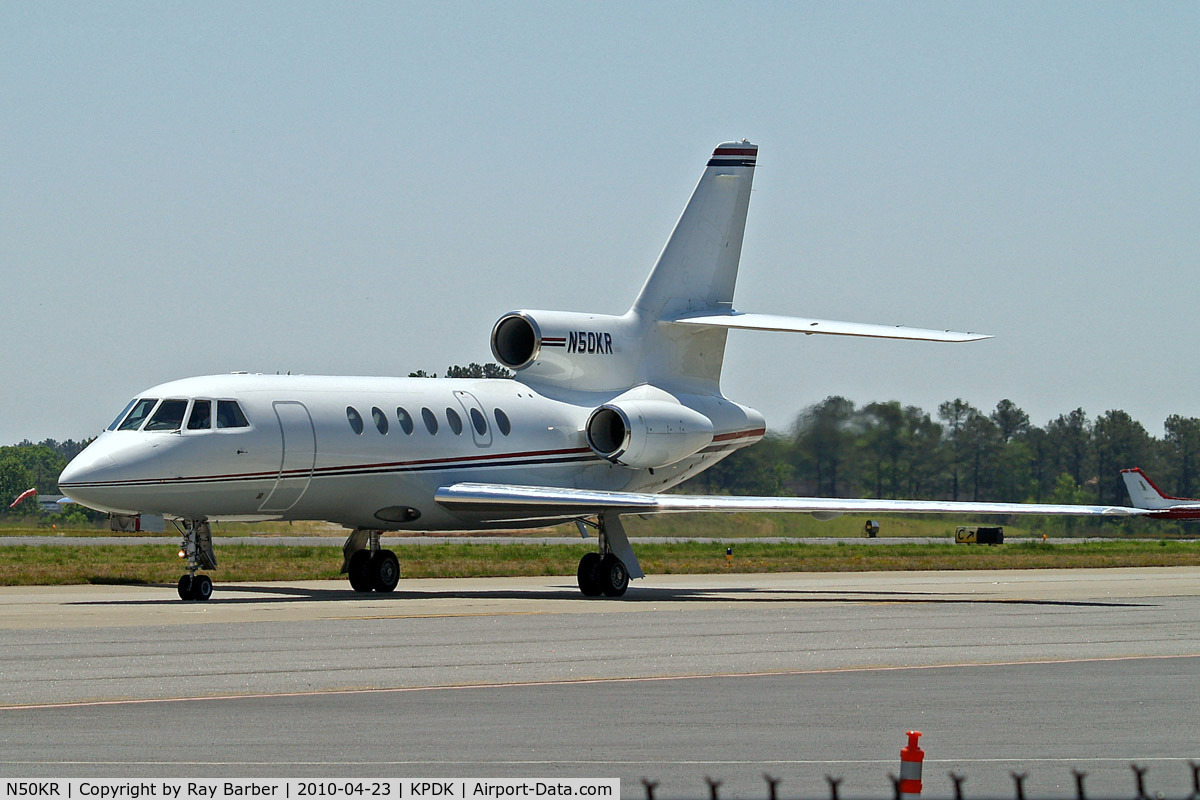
pixel 354 188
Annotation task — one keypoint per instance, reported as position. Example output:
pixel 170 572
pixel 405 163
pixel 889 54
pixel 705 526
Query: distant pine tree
pixel 472 370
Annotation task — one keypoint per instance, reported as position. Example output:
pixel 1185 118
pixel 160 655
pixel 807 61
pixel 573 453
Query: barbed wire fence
pixel 773 792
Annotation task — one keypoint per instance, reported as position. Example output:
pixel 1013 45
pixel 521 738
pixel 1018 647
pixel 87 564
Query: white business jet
pixel 606 413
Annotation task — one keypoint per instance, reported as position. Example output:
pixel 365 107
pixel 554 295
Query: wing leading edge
pixel 776 322
pixel 540 502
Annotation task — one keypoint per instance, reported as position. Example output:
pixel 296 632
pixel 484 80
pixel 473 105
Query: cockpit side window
pixel 141 410
pixel 201 418
pixel 121 416
pixel 229 415
pixel 169 416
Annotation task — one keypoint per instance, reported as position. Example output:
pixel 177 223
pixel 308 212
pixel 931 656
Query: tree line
pixel 888 450
pixel 472 370
pixel 36 466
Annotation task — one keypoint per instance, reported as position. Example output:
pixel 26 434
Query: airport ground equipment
pixel 978 534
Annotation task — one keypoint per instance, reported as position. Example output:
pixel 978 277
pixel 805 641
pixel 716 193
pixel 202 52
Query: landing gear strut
pixel 369 568
pixel 197 548
pixel 606 572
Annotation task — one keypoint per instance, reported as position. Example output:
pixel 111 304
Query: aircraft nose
pixel 117 472
pixel 87 467
pixel 83 478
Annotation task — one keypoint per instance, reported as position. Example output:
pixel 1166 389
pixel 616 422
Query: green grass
pixel 148 564
pixel 739 525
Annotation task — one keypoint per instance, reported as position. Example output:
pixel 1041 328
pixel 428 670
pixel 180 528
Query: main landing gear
pixel 369 568
pixel 602 574
pixel 608 571
pixel 197 548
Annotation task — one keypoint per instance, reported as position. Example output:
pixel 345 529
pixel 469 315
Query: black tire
pixel 589 575
pixel 185 588
pixel 359 571
pixel 385 571
pixel 614 577
pixel 202 588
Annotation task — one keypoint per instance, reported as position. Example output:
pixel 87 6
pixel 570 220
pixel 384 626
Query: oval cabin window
pixel 356 423
pixel 502 422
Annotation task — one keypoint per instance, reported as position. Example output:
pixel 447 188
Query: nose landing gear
pixel 195 587
pixel 197 548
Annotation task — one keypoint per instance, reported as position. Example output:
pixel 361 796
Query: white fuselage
pixel 302 456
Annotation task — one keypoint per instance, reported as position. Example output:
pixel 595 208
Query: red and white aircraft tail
pixel 1144 493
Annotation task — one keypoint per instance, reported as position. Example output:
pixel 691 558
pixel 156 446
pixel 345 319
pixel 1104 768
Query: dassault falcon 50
pixel 605 414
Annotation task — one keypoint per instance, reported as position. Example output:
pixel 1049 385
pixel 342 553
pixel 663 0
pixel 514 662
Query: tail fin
pixel 1143 493
pixel 697 268
pixel 696 272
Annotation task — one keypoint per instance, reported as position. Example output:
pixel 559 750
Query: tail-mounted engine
pixel 647 433
pixel 579 351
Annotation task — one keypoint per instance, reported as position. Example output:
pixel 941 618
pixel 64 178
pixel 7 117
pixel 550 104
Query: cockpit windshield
pixel 141 410
pixel 169 416
pixel 121 416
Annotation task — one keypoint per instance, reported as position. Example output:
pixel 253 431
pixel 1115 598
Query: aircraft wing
pixel 541 502
pixel 775 322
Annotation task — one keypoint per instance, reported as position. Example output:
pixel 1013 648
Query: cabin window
pixel 229 415
pixel 406 422
pixel 201 418
pixel 121 416
pixel 138 415
pixel 356 423
pixel 169 416
pixel 478 421
pixel 502 422
pixel 455 421
pixel 380 419
pixel 430 420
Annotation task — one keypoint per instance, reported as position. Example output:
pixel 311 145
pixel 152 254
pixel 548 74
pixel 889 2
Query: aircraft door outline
pixel 297 457
pixel 468 402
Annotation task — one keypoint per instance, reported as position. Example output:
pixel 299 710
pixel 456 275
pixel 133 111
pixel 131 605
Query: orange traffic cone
pixel 911 760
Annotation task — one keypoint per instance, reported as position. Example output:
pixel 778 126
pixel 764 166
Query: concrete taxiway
pixel 417 541
pixel 687 676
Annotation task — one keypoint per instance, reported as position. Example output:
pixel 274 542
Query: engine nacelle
pixel 647 433
pixel 579 351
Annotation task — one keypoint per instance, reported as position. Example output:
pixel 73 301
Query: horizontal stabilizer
pixel 534 502
pixel 775 322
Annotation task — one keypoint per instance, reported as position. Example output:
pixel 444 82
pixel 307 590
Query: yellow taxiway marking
pixel 449 615
pixel 591 681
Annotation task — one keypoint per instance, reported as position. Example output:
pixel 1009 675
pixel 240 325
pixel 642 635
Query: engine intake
pixel 516 340
pixel 589 352
pixel 647 433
